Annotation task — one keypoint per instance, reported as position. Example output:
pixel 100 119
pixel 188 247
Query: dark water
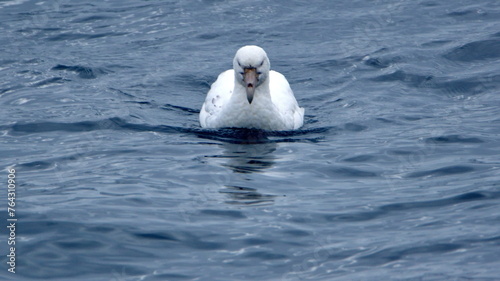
pixel 395 175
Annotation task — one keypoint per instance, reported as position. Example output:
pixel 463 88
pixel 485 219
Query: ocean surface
pixel 394 176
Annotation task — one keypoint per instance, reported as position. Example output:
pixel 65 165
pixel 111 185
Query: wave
pixel 231 135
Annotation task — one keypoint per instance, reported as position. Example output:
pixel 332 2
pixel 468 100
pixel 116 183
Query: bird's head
pixel 251 68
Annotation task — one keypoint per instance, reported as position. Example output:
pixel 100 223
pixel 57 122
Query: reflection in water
pixel 247 154
pixel 246 196
pixel 249 158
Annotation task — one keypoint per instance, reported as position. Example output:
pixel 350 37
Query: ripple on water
pixel 477 50
pixel 415 80
pixel 49 82
pixel 156 236
pixel 396 253
pixel 82 36
pixel 83 72
pixel 457 86
pixel 390 209
pixel 444 171
pixel 360 158
pixel 224 213
pixel 449 139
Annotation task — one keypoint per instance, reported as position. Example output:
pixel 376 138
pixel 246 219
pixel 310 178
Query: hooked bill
pixel 250 78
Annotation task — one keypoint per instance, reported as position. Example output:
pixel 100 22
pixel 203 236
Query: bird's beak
pixel 250 79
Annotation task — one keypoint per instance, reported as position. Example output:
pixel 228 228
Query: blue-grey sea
pixel 394 176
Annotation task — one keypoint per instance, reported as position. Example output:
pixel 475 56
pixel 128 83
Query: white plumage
pixel 251 96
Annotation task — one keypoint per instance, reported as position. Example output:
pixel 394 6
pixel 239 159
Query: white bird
pixel 251 96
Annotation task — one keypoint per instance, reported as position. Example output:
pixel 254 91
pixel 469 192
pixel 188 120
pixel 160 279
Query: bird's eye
pixel 259 73
pixel 242 73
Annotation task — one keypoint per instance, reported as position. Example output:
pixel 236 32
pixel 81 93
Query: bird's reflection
pixel 240 195
pixel 248 158
pixel 246 152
